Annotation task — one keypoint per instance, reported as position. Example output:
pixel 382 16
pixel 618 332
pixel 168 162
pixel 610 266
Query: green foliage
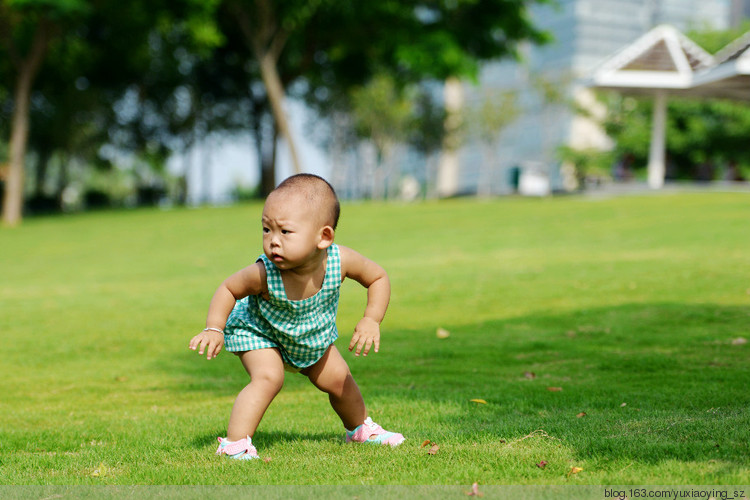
pixel 699 132
pixel 419 57
pixel 588 162
pixel 101 54
pixel 628 122
pixel 714 40
pixel 614 301
pixel 491 113
pixel 53 8
pixel 182 68
pixel 381 111
pixel 412 41
pixel 428 127
pixel 203 32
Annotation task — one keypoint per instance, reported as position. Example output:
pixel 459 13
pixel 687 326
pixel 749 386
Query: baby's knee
pixel 336 380
pixel 272 379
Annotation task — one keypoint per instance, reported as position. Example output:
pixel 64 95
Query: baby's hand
pixel 208 340
pixel 366 334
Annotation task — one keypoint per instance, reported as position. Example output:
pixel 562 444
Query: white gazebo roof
pixel 664 62
pixel 662 59
pixel 734 50
pixel 730 77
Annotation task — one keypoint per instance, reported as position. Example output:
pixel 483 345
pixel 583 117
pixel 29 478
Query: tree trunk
pixel 206 148
pixel 14 183
pixel 276 98
pixel 62 181
pixel 484 184
pixel 448 169
pixel 267 40
pixel 267 163
pixel 27 71
pixel 42 167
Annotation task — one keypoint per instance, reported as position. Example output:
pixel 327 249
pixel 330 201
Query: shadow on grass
pixel 269 438
pixel 645 381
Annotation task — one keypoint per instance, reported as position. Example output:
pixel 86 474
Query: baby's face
pixel 291 230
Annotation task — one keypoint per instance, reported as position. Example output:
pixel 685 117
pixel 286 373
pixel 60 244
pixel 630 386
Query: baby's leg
pixel 266 371
pixel 331 375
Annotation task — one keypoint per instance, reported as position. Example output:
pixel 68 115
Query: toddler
pixel 280 313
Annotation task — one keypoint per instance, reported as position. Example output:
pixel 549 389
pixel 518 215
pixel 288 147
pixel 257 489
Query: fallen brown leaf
pixel 575 470
pixel 542 464
pixel 554 389
pixel 267 459
pixel 529 375
pixel 425 443
pixel 581 415
pixel 433 449
pixel 479 401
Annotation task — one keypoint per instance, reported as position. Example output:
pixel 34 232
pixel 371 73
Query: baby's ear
pixel 326 237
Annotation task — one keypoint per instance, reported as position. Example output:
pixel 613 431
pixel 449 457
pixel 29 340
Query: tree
pixel 384 115
pixel 491 114
pixel 322 49
pixel 702 135
pixel 27 28
pixel 101 44
pixel 307 49
pixel 188 90
pixel 267 26
pixel 445 41
pixel 428 134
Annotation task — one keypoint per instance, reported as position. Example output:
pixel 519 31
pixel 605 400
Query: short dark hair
pixel 317 190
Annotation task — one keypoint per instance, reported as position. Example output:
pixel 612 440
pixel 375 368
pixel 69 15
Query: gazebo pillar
pixel 657 153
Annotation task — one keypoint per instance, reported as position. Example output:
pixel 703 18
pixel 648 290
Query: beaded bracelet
pixel 213 330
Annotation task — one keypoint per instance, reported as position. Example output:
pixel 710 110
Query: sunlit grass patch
pixel 598 335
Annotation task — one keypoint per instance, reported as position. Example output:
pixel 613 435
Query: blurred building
pixel 740 10
pixel 547 80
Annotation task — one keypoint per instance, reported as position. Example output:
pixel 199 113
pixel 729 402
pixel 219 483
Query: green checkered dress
pixel 301 330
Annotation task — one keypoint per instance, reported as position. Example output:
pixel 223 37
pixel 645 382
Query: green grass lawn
pixel 630 308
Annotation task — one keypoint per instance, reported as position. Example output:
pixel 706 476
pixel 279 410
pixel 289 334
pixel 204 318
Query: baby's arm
pixel 373 277
pixel 248 281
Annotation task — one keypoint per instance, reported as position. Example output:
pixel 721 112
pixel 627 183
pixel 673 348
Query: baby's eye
pixel 285 231
pixel 266 230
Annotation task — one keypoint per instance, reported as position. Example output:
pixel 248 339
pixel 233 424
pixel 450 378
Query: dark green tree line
pixel 189 67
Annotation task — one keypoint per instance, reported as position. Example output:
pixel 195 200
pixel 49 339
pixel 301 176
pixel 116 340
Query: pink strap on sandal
pixel 370 432
pixel 239 450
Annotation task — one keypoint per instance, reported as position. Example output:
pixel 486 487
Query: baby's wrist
pixel 212 329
